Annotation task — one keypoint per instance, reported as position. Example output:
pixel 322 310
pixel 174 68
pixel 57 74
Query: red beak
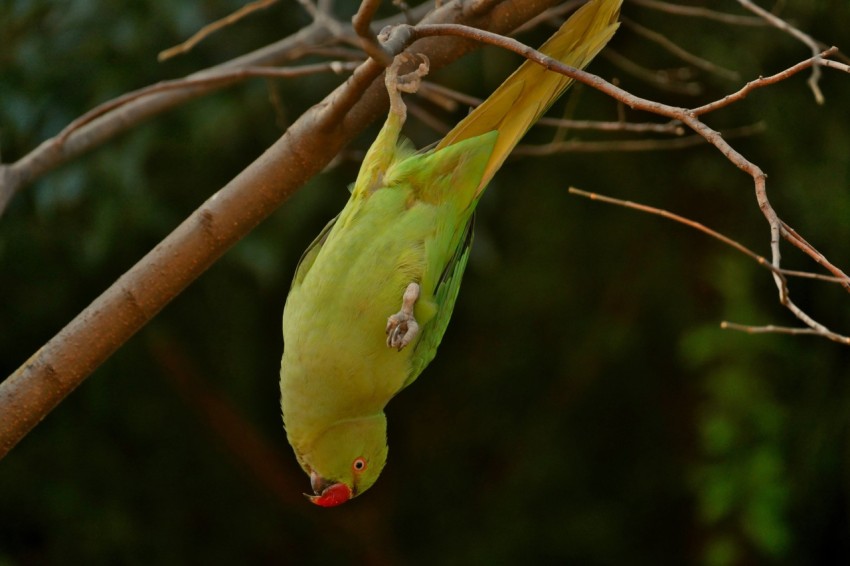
pixel 328 494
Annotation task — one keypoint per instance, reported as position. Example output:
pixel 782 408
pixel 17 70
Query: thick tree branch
pixel 305 149
pixel 50 155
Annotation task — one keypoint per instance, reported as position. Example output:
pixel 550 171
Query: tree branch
pixel 691 119
pixel 49 155
pixel 362 22
pixel 699 12
pixel 677 51
pixel 213 79
pixel 56 369
pixel 761 260
pixel 779 23
pixel 213 27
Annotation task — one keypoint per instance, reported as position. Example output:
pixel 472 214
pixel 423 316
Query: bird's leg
pixel 382 154
pixel 409 83
pixel 402 328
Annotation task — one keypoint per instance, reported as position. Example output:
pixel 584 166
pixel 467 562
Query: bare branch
pixel 761 260
pixel 322 15
pixel 835 65
pixel 213 79
pixel 210 29
pixel 580 146
pixel 672 127
pixel 307 147
pixel 556 12
pixel 57 368
pixel 446 97
pixel 769 329
pixel 763 82
pixel 699 12
pixel 687 117
pixel 47 156
pixel 792 236
pixel 779 23
pixel 361 22
pixel 686 56
pixel 814 327
pixel 660 79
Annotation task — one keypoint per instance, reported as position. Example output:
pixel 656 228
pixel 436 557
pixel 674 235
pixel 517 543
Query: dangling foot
pixel 408 83
pixel 402 328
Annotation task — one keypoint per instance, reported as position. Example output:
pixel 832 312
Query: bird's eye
pixel 359 465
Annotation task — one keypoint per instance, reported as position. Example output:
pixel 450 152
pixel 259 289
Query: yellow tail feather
pixel 518 103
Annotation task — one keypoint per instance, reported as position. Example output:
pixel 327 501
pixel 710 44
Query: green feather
pixel 408 220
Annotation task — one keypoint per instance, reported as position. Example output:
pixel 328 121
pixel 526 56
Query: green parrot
pixel 403 237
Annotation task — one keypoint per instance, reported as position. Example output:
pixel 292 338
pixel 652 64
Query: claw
pixel 408 83
pixel 402 327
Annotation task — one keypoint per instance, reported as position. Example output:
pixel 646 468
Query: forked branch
pixel 310 143
pixel 689 117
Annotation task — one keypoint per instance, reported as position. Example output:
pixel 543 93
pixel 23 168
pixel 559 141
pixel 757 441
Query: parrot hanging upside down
pixel 403 238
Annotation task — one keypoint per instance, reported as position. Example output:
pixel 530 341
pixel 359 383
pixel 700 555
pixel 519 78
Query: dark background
pixel 584 408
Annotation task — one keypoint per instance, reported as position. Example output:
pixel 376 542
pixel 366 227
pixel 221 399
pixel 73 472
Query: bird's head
pixel 345 459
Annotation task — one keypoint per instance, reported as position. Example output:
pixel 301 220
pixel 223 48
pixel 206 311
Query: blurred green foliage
pixel 585 407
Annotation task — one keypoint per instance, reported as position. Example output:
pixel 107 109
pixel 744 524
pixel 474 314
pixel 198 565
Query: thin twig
pixel 581 146
pixel 814 78
pixel 792 236
pixel 322 15
pixel 814 327
pixel 445 98
pixel 660 79
pixel 223 76
pixel 768 329
pixel 698 12
pixel 209 29
pixel 48 155
pixel 761 260
pixel 673 127
pixel 667 44
pixel 362 22
pixel 309 144
pixel 687 117
pixel 428 118
pixel 834 65
pixel 556 12
pixel 762 82
pixel 335 52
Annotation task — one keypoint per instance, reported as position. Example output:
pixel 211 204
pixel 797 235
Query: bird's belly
pixel 335 321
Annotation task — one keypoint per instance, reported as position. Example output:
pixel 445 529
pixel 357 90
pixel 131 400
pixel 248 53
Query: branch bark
pixel 51 154
pixel 691 118
pixel 56 369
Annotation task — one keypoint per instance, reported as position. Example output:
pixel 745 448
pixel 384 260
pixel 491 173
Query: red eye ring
pixel 359 464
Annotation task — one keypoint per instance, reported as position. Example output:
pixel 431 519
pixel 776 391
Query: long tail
pixel 517 104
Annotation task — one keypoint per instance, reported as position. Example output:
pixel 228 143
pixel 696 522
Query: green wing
pixel 310 254
pixel 445 294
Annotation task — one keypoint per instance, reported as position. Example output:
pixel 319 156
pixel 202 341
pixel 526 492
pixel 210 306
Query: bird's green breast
pixel 336 363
